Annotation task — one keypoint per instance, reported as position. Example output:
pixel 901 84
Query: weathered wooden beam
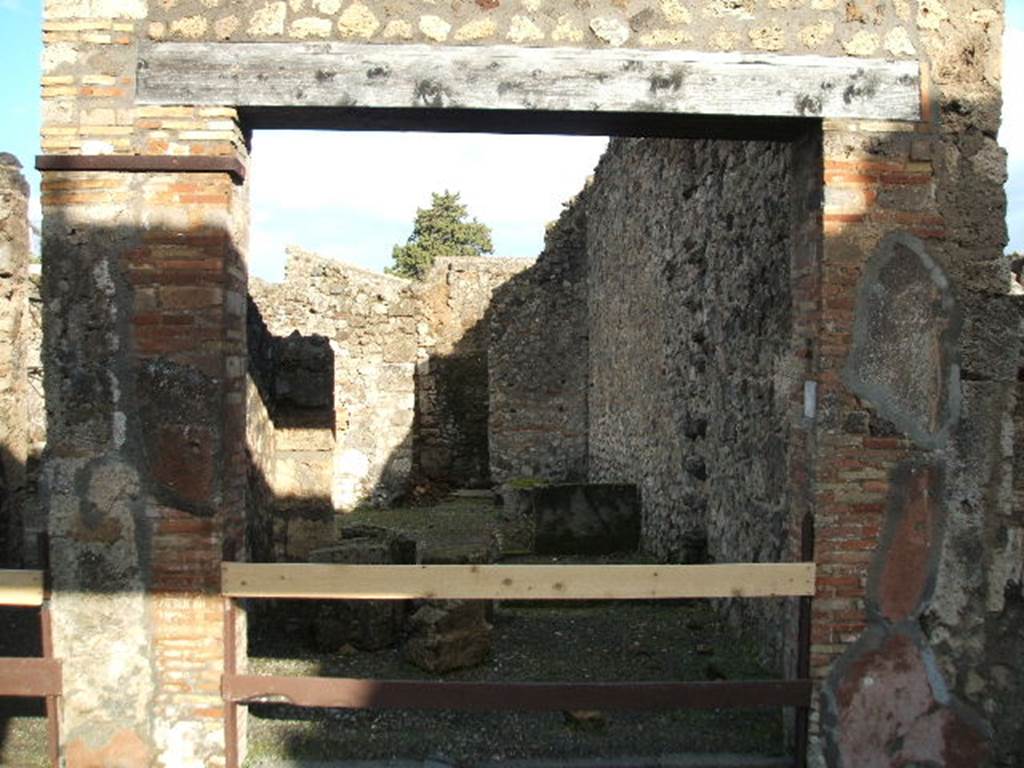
pixel 515 582
pixel 143 164
pixel 512 121
pixel 536 79
pixel 346 693
pixel 30 677
pixel 21 587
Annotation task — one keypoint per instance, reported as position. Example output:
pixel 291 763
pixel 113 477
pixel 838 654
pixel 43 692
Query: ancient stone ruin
pixel 780 306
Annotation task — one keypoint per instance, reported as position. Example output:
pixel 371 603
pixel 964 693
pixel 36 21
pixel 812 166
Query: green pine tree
pixel 440 230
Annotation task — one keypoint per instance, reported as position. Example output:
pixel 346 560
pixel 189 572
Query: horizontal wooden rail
pixel 30 677
pixel 347 693
pixel 22 588
pixel 515 582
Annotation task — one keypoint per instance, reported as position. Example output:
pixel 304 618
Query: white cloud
pixel 370 185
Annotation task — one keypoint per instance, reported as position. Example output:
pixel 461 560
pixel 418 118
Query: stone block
pixel 445 635
pixel 184 461
pixel 586 519
pixel 304 439
pixel 366 624
pixel 304 478
pixel 305 534
pixel 905 336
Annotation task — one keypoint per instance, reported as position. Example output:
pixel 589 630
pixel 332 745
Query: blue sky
pixel 357 194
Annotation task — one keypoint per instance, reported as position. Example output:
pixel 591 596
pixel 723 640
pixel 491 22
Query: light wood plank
pixel 21 588
pixel 515 582
pixel 332 74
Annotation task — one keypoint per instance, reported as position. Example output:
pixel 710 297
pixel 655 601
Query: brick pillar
pixel 910 317
pixel 144 291
pixel 144 356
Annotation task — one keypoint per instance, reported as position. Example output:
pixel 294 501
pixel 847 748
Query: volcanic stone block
pixel 448 634
pixel 905 338
pixel 586 519
pixel 366 624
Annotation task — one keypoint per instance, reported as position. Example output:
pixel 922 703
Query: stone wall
pixel 539 362
pixel 343 351
pixel 691 376
pixel 35 403
pixel 404 399
pixel 261 442
pixel 654 343
pixel 717 25
pixel 14 349
pixel 452 403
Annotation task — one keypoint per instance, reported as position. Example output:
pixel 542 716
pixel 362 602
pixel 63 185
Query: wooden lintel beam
pixel 144 164
pixel 334 74
pixel 515 582
pixel 32 678
pixel 22 588
pixel 348 693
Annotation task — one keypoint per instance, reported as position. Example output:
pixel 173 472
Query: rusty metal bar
pixel 52 715
pixel 29 678
pixel 144 164
pixel 231 756
pixel 347 693
pixel 803 652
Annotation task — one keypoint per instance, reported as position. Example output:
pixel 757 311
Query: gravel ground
pixel 533 641
pixel 575 641
pixel 22 721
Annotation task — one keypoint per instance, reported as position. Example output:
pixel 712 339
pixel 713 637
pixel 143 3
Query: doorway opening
pixel 633 394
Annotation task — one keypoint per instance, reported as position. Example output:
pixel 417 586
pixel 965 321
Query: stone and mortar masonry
pixel 829 27
pixel 144 476
pixel 693 365
pixel 260 439
pixel 657 342
pixel 131 544
pixel 364 385
pixel 539 363
pixel 342 395
pixel 453 368
pixel 14 349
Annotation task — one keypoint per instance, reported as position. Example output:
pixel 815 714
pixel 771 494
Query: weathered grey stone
pixel 904 346
pixel 445 635
pixel 15 348
pixel 366 624
pixel 586 519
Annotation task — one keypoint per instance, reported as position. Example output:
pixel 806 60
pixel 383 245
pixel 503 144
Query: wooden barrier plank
pixel 21 587
pixel 348 693
pixel 30 677
pixel 515 582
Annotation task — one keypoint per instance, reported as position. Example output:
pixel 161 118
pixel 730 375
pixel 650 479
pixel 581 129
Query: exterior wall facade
pixel 144 282
pixel 913 454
